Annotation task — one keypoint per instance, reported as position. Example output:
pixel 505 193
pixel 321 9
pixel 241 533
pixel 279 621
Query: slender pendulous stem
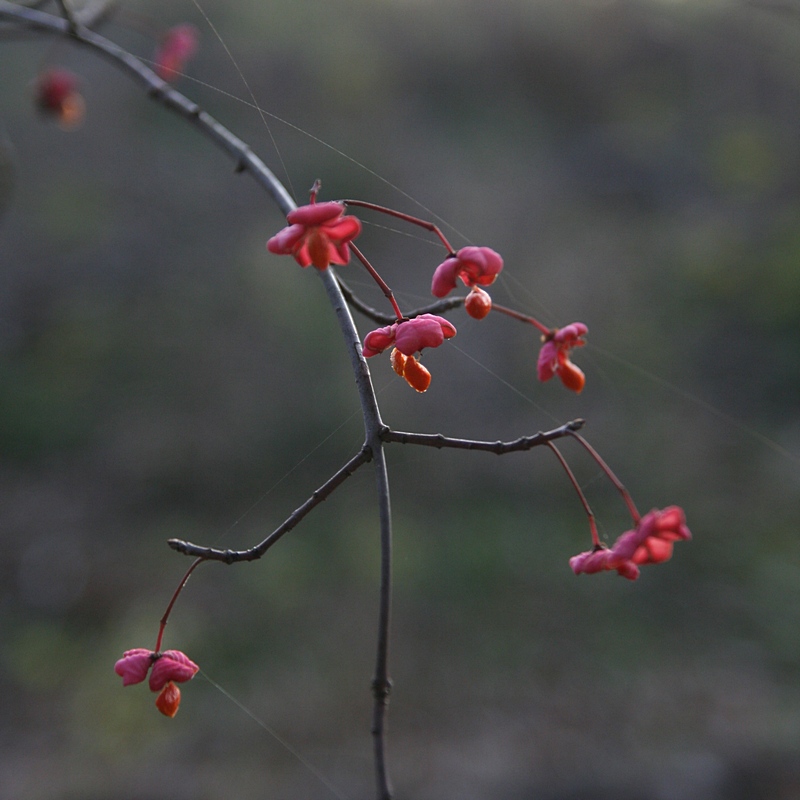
pixel 634 512
pixel 581 496
pixel 423 223
pixel 520 317
pixel 387 292
pixel 165 618
pixel 256 552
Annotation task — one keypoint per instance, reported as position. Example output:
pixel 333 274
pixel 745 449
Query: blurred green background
pixel 161 375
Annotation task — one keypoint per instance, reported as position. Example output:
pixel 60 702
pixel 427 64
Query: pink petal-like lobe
pixel 315 214
pixel 426 330
pixel 474 265
pixel 650 542
pixel 554 356
pixel 377 341
pixel 133 665
pixel 171 665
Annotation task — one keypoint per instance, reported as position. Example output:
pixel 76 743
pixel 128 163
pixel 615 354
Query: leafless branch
pixel 439 441
pixel 254 553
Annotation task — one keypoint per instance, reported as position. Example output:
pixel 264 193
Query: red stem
pixel 634 512
pixel 581 495
pixel 380 281
pixel 164 619
pixel 429 226
pixel 509 312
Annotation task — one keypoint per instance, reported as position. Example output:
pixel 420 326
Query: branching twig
pixel 74 27
pixel 254 553
pixel 384 287
pixel 618 485
pixel 581 496
pixel 498 448
pixel 387 319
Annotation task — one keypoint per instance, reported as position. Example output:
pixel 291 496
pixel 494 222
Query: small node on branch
pixel 381 689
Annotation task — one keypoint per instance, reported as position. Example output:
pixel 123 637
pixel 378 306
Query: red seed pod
pixel 478 303
pixel 571 376
pixel 416 375
pixel 169 700
pixel 398 362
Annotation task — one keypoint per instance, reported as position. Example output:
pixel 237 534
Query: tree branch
pixel 498 448
pixel 73 27
pixel 254 553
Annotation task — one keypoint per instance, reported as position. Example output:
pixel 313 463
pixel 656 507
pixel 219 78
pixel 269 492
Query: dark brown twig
pixel 498 448
pixel 256 552
pixel 387 319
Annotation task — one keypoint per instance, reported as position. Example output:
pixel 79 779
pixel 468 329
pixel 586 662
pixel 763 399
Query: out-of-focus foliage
pixel 636 163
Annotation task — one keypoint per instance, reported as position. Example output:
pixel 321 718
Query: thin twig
pixel 163 624
pixel 381 682
pixel 618 485
pixel 581 496
pixel 520 317
pixel 384 287
pixel 498 448
pixel 87 17
pixel 387 319
pixel 93 13
pixel 423 223
pixel 254 553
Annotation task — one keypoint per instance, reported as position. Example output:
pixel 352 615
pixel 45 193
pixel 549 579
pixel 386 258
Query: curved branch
pixel 72 27
pixel 254 553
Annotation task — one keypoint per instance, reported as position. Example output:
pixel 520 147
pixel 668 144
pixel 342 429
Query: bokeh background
pixel 636 163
